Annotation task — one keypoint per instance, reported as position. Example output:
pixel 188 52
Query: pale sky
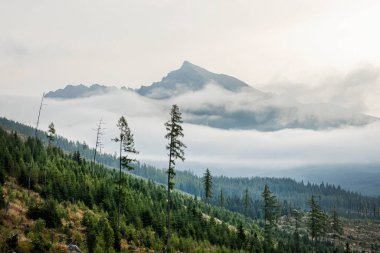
pixel 47 44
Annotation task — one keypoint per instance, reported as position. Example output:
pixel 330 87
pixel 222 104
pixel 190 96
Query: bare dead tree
pixel 98 143
pixel 35 137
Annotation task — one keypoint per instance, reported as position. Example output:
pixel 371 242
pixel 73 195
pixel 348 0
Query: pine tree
pixel 221 198
pixel 317 220
pixel 296 235
pixel 270 210
pixel 247 201
pixel 128 146
pixel 336 224
pixel 241 234
pixel 207 183
pixel 176 151
pixel 51 135
pixel 77 157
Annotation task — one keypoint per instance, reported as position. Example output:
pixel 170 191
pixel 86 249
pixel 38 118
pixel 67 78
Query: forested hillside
pixel 240 194
pixel 62 183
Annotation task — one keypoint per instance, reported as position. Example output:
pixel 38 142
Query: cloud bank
pixel 230 152
pixel 356 89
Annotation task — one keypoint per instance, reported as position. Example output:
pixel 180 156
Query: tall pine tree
pixel 207 183
pixel 127 145
pixel 51 133
pixel 176 150
pixel 221 198
pixel 336 224
pixel 317 220
pixel 270 210
pixel 247 201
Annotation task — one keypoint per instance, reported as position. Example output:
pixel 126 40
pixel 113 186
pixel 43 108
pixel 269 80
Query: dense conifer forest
pixel 246 215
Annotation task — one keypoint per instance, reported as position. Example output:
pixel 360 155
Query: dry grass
pixel 361 234
pixel 14 220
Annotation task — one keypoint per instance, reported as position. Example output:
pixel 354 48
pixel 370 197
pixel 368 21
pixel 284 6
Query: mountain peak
pixel 191 68
pixel 190 77
pixel 186 65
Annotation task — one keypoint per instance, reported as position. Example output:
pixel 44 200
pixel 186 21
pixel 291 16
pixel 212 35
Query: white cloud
pixel 356 89
pixel 233 152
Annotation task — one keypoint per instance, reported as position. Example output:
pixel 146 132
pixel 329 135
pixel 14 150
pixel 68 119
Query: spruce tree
pixel 247 201
pixel 270 210
pixel 296 235
pixel 221 198
pixel 128 146
pixel 241 235
pixel 207 183
pixel 317 220
pixel 51 133
pixel 336 224
pixel 176 150
pixel 77 157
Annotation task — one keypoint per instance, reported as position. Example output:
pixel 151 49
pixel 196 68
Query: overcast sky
pixel 46 44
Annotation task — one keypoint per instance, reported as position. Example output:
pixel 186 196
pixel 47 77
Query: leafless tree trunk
pixel 98 144
pixel 35 136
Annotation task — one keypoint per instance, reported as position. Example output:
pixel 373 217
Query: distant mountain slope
pixel 79 91
pixel 363 178
pixel 191 78
pixel 286 189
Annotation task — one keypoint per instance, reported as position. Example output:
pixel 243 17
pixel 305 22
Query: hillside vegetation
pixel 291 194
pixel 71 203
pixel 69 178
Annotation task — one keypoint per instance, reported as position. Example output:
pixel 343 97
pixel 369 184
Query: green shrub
pixel 49 212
